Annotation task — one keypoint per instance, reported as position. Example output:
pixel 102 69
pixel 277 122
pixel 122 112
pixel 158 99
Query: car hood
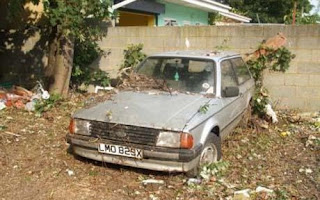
pixel 162 111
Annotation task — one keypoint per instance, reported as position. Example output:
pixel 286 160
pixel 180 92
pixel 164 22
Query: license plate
pixel 120 150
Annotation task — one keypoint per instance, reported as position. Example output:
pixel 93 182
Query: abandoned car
pixel 177 129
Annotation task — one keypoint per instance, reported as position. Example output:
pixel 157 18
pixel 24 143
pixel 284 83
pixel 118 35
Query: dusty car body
pixel 168 131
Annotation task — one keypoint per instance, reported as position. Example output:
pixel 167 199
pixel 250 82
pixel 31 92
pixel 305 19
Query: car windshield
pixel 181 74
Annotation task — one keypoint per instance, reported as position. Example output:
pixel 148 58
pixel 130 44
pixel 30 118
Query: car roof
pixel 198 54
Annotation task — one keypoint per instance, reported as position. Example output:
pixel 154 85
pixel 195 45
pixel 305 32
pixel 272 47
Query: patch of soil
pixel 35 163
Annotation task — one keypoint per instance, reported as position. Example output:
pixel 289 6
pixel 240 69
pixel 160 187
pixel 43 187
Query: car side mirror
pixel 231 91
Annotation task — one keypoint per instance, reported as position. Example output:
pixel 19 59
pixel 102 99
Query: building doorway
pixel 136 19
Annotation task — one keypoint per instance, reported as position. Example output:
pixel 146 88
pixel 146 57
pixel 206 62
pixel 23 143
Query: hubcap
pixel 209 155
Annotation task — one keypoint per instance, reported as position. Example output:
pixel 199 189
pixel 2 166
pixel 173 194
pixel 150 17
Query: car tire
pixel 211 152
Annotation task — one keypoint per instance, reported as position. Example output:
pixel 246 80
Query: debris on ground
pixel 152 181
pixel 194 181
pixel 97 88
pixel 313 142
pixel 263 189
pixel 38 158
pixel 22 98
pixel 2 105
pixel 70 172
pixel 270 112
pixel 242 194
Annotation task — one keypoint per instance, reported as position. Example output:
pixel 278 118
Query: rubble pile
pixel 22 98
pixel 139 82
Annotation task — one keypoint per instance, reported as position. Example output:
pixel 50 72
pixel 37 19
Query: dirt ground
pixel 35 163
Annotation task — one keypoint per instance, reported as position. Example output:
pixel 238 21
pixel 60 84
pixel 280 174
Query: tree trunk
pixel 294 13
pixel 62 66
pixel 49 70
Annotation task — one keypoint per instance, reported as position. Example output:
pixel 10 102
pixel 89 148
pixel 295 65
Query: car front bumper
pixel 155 158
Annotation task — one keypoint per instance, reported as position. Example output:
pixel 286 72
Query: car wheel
pixel 210 153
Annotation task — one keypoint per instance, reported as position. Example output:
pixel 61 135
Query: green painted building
pixel 170 12
pixel 182 15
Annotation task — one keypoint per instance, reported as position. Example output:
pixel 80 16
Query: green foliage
pixel 259 103
pixel 216 169
pixel 81 20
pixel 274 60
pixel 72 16
pixel 204 108
pixel 3 127
pixel 214 17
pixel 45 105
pixel 133 55
pixel 85 52
pixel 282 195
pixel 271 11
pixel 302 18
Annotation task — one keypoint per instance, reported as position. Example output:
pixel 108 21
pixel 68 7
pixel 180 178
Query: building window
pixel 170 22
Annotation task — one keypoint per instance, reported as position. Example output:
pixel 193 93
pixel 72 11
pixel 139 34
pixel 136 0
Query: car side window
pixel 228 76
pixel 241 70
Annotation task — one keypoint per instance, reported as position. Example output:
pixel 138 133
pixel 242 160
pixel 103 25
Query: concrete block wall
pixel 298 88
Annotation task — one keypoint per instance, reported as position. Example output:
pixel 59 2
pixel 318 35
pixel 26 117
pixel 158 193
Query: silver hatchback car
pixel 179 129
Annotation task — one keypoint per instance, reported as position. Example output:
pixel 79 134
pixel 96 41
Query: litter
pixel 97 88
pixel 44 93
pixel 70 172
pixel 152 181
pixel 241 194
pixel 22 98
pixel 30 106
pixel 271 113
pixel 193 181
pixel 2 105
pixel 263 189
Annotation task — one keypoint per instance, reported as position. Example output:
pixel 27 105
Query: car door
pixel 232 105
pixel 244 80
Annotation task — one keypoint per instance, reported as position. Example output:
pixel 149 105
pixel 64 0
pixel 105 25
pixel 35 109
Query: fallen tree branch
pixel 10 133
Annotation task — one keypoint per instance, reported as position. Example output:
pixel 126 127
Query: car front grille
pixel 124 134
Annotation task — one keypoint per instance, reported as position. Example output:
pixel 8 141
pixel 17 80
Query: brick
pixel 227 31
pixel 309 67
pixel 282 91
pixel 307 42
pixel 271 30
pixel 250 31
pixel 293 69
pixel 292 103
pixel 314 80
pixel 212 31
pixel 313 104
pixel 302 54
pixel 316 55
pixel 306 92
pixel 273 79
pixel 213 42
pixel 296 80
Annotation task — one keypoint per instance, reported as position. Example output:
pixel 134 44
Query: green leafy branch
pixel 274 60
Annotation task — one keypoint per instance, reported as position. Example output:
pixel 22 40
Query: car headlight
pixel 79 126
pixel 175 140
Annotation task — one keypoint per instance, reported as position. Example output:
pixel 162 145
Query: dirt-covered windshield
pixel 181 74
